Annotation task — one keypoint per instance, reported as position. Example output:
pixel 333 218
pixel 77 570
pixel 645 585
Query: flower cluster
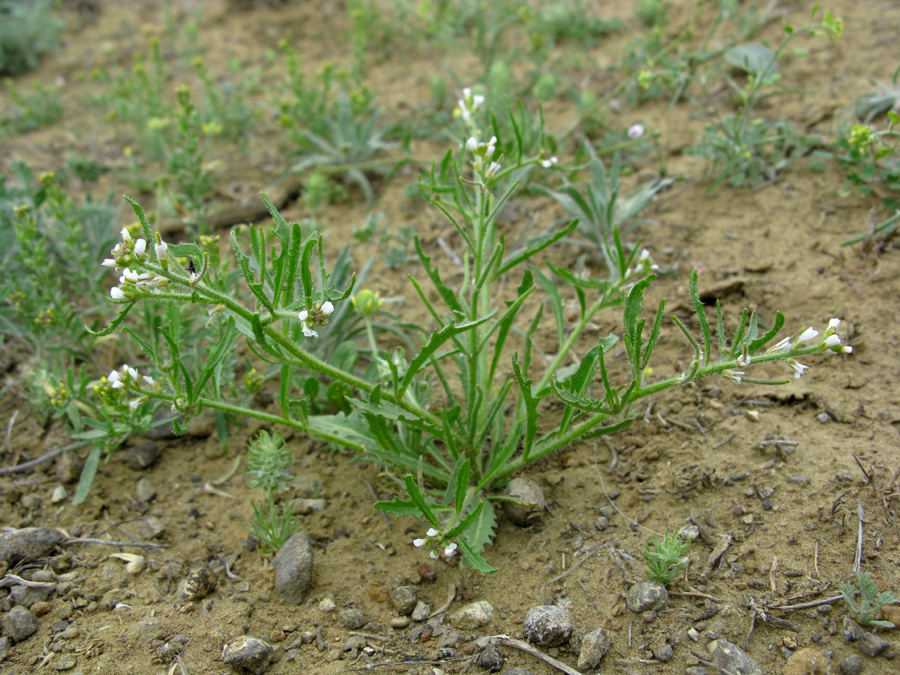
pixel 828 343
pixel 127 251
pixel 124 378
pixel 641 267
pixel 132 282
pixel 484 152
pixel 467 105
pixel 317 316
pixel 433 540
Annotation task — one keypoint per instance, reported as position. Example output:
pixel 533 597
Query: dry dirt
pixel 697 455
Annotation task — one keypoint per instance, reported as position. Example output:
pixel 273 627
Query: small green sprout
pixel 270 458
pixel 666 559
pixel 870 600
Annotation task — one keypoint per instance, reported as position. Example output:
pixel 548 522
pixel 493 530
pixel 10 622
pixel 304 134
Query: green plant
pixel 269 460
pixel 452 419
pixel 602 207
pixel 869 159
pixel 741 148
pixel 666 559
pixel 870 600
pixel 28 30
pixel 30 111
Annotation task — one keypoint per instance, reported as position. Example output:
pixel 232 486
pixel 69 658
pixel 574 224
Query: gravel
pixel 472 616
pixel 647 595
pixel 594 646
pixel 19 624
pixel 294 569
pixel 547 626
pixel 29 542
pixel 249 653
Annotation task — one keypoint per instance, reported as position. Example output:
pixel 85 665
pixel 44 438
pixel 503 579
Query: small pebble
pixel 490 659
pixel 872 645
pixel 852 665
pixel 59 494
pixel 689 532
pixel 29 542
pixel 807 661
pixel 197 584
pixel 143 455
pixel 594 647
pixel 404 599
pixel 730 657
pixel 151 528
pixel 421 612
pixel 68 467
pixel 19 624
pixel 326 605
pixel 531 498
pixel 352 618
pixel 646 595
pixel 547 626
pixel 294 569
pixel 249 653
pixel 64 662
pixel 400 622
pixel 664 653
pixel 144 490
pixel 472 616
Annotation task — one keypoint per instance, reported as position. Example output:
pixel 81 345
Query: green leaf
pixel 582 402
pixel 445 292
pixel 87 475
pixel 700 310
pixel 537 246
pixel 751 58
pixel 634 325
pixel 399 507
pixel 437 338
pixel 531 409
pixel 758 343
pixel 478 533
pixel 556 303
pixel 419 500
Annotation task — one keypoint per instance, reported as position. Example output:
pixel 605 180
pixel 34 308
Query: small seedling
pixel 870 600
pixel 270 458
pixel 666 559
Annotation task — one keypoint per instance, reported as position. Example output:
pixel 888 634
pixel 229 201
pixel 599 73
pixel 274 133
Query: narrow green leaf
pixel 115 322
pixel 536 247
pixel 419 500
pixel 700 311
pixel 445 292
pixel 654 335
pixel 531 409
pixel 758 343
pixel 87 474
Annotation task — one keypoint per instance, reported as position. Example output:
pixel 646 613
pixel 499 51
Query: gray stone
pixel 664 653
pixel 19 624
pixel 64 662
pixel 59 494
pixel 304 507
pixel 730 657
pixel 594 646
pixel 352 618
pixel 143 455
pixel 144 490
pixel 490 659
pixel 872 645
pixel 421 612
pixel 472 616
pixel 518 670
pixel 695 670
pixel 404 599
pixel 647 595
pixel 249 653
pixel 689 533
pixel 400 622
pixel 547 626
pixel 294 569
pixel 198 583
pixel 852 665
pixel 5 644
pixel 151 528
pixel 163 418
pixel 68 467
pixel 28 543
pixel 25 596
pixel 531 498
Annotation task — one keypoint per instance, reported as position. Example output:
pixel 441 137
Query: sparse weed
pixel 666 559
pixel 867 607
pixel 28 30
pixel 269 460
pixel 29 111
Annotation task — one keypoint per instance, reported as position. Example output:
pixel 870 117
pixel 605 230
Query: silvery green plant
pixel 455 418
pixel 269 459
pixel 666 558
pixel 870 602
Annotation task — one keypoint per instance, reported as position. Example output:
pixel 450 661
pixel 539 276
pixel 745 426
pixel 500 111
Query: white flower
pixel 741 361
pixel 806 336
pixel 140 247
pixel 798 368
pixel 733 375
pixel 450 549
pixel 149 381
pixel 432 532
pixel 635 131
pixel 834 323
pixel 116 293
pixel 135 403
pixel 418 543
pixel 783 346
pixel 831 341
pixel 109 262
pixel 432 554
pixel 307 331
pixel 547 163
pixel 327 308
pixel 304 315
pixel 115 380
pixel 161 248
pixel 125 236
pixel 468 104
pixel 472 144
pixel 492 170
